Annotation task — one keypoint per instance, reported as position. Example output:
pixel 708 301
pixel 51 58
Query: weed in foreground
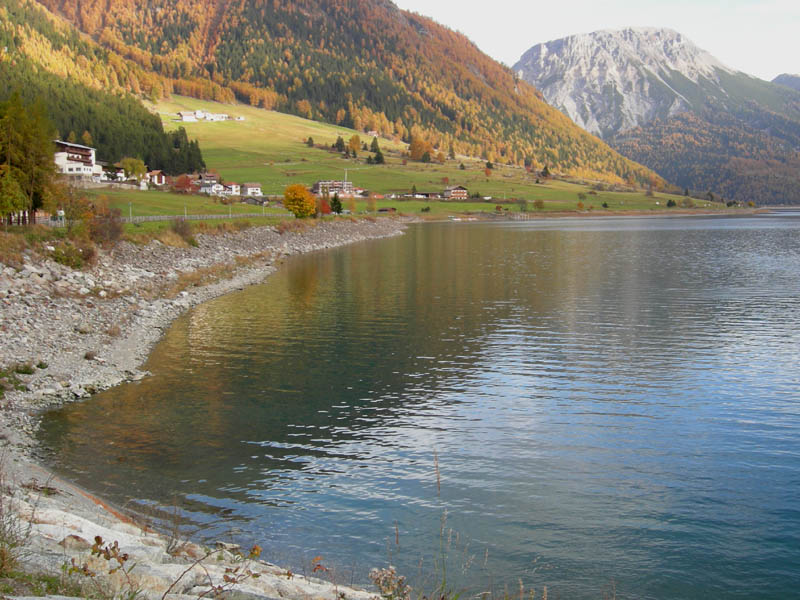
pixel 24 369
pixel 15 532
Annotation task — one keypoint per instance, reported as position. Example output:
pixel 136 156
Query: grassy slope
pixel 268 147
pixel 150 203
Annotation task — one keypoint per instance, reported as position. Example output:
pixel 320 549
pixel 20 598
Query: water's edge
pixel 67 509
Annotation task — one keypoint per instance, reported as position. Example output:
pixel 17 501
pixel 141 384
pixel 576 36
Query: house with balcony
pixel 456 192
pixel 342 188
pixel 76 160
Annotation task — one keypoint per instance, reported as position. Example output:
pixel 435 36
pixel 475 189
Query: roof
pixel 455 187
pixel 251 184
pixel 73 145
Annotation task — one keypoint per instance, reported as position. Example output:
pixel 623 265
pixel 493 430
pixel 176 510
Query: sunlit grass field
pixel 270 148
pixel 155 203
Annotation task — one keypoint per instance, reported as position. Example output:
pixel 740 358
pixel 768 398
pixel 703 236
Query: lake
pixel 587 404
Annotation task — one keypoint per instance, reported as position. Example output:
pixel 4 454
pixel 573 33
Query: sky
pixel 761 38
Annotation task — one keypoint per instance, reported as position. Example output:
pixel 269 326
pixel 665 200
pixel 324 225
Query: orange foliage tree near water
pixel 298 200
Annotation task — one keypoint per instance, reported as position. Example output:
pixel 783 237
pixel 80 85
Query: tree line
pixel 116 125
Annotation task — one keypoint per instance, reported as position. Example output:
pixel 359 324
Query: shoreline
pixel 94 330
pixel 143 296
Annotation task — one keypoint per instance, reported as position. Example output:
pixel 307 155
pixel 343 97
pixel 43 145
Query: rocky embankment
pixel 79 332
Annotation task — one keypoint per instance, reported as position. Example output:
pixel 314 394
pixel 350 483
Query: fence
pixel 46 220
pixel 147 219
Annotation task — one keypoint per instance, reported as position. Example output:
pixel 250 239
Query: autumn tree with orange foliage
pixel 299 201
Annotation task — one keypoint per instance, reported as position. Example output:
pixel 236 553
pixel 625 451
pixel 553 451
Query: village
pixel 81 166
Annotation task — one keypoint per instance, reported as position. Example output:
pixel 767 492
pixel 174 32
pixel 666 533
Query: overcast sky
pixel 761 38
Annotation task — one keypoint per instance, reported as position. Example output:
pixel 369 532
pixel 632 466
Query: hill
pixel 271 148
pixel 790 81
pixel 358 63
pixel 662 101
pixel 38 53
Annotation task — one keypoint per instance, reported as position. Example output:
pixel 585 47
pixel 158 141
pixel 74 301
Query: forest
pixel 358 63
pixel 722 153
pixel 117 125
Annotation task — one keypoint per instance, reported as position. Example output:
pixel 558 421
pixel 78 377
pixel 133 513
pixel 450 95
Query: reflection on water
pixel 608 399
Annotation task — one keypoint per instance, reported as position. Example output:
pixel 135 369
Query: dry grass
pixel 221 227
pixel 11 247
pixel 295 226
pixel 214 273
pixel 170 238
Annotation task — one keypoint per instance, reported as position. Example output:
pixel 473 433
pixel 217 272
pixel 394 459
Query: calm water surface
pixel 609 400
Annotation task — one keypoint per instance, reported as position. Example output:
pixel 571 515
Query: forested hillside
pixel 359 63
pixel 117 126
pixel 721 153
pixel 46 60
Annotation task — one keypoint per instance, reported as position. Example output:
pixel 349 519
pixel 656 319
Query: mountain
pixel 790 81
pixel 359 63
pixel 662 101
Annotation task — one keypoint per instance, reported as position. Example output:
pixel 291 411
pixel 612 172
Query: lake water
pixel 609 403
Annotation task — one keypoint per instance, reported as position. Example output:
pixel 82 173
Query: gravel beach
pixel 85 331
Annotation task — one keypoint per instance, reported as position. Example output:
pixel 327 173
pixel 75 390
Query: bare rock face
pixel 612 81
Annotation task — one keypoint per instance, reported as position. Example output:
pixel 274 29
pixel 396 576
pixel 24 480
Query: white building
pixel 187 117
pixel 212 189
pixel 75 160
pixel 343 188
pixel 157 178
pixel 252 190
pixel 216 117
pixel 232 189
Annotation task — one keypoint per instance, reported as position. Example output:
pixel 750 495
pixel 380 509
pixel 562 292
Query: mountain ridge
pixel 789 80
pixel 664 102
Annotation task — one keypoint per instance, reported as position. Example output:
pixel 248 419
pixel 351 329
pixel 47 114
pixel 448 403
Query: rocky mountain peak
pixel 611 81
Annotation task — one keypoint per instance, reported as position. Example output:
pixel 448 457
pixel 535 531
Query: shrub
pixel 580 206
pixel 184 229
pixel 671 203
pixel 538 204
pixel 105 227
pixel 324 207
pixel 74 255
pixel 605 204
pixel 299 201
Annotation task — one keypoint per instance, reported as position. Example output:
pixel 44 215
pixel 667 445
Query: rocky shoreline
pixel 79 332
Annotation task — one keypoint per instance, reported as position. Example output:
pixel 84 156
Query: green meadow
pixel 270 148
pixel 154 203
